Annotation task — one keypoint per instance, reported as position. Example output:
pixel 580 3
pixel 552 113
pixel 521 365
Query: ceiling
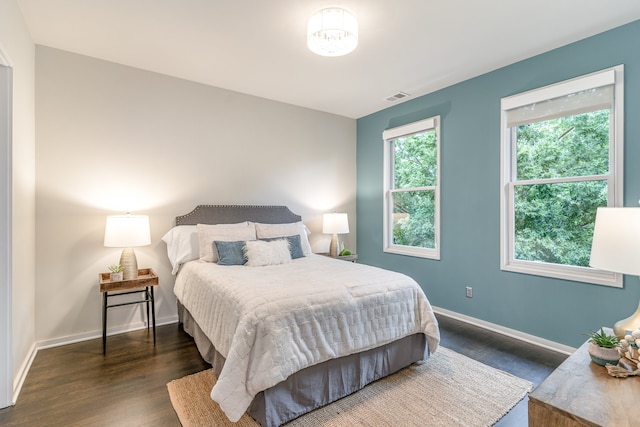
pixel 258 47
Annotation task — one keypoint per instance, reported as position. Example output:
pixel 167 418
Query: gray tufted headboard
pixel 229 214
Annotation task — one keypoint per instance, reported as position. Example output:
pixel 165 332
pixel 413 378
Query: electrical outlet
pixel 469 292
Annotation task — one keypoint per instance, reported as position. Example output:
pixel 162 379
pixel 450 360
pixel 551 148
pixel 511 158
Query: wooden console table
pixel 582 393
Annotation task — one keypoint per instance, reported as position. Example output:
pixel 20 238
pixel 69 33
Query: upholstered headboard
pixel 229 214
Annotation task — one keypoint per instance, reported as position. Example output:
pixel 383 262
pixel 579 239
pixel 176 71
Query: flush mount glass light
pixel 332 32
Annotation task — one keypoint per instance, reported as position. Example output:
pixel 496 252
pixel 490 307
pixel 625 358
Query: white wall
pixel 17 47
pixel 112 139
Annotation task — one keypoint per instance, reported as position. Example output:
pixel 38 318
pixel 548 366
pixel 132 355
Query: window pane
pixel 568 146
pixel 414 218
pixel 554 222
pixel 415 160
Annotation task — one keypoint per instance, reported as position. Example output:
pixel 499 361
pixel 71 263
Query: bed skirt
pixel 316 385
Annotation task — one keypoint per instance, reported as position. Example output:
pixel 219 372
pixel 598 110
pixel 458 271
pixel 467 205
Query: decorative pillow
pixel 208 233
pixel 284 230
pixel 230 253
pixel 260 253
pixel 294 245
pixel 182 245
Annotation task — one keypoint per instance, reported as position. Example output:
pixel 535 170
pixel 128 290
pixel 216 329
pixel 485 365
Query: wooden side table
pixel 146 279
pixel 350 258
pixel 582 393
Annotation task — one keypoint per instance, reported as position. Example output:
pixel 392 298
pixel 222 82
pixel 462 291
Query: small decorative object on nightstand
pixel 144 282
pixel 116 273
pixel 603 348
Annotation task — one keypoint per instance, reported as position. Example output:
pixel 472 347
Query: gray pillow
pixel 230 253
pixel 295 245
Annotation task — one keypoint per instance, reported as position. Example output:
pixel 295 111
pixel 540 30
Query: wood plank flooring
pixel 74 385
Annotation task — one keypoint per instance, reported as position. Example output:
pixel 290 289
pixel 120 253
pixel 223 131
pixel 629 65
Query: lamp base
pixel 333 246
pixel 129 264
pixel 631 323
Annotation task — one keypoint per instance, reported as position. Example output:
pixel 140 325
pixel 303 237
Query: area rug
pixel 449 389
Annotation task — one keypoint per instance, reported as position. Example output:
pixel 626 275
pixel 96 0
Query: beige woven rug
pixel 449 389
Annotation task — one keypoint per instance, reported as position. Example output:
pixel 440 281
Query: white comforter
pixel 269 322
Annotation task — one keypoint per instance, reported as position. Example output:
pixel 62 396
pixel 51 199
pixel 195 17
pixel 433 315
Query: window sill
pixel 415 252
pixel 565 272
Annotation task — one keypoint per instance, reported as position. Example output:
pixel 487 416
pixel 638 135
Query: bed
pixel 285 330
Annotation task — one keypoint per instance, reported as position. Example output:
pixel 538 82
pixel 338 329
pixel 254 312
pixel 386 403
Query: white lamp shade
pixel 616 240
pixel 332 32
pixel 335 223
pixel 127 231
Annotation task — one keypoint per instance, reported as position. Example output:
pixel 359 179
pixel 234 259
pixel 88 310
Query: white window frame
pixel 432 123
pixel 615 76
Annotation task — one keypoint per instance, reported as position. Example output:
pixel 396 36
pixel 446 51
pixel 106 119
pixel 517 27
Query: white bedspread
pixel 270 322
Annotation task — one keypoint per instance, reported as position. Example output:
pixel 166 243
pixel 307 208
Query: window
pixel 412 189
pixel 562 148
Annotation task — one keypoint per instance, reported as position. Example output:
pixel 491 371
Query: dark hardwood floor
pixel 75 385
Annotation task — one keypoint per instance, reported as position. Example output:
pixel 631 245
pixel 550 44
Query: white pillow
pixel 207 233
pixel 260 252
pixel 283 230
pixel 182 245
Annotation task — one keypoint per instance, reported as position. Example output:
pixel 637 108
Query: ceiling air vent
pixel 397 96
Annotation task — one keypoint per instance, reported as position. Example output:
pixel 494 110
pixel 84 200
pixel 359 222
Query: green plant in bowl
pixel 116 268
pixel 602 339
pixel 603 348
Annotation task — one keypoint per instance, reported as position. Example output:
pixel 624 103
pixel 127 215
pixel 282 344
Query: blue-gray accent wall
pixel 556 310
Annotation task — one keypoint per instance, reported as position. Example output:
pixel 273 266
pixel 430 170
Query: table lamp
pixel 616 247
pixel 127 231
pixel 335 223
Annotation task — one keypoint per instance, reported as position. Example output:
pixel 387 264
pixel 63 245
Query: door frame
pixel 6 185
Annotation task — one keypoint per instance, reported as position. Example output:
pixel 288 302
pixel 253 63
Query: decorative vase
pixel 116 277
pixel 603 356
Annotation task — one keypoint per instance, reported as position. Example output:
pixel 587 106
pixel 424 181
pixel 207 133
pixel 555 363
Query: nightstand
pixel 350 258
pixel 143 284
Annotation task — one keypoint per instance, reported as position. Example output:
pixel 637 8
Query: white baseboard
pixel 22 372
pixel 531 339
pixel 56 342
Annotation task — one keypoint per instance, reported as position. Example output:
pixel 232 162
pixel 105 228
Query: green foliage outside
pixel 415 167
pixel 554 221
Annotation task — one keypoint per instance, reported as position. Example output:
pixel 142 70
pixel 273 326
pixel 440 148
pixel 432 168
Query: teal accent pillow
pixel 230 253
pixel 295 244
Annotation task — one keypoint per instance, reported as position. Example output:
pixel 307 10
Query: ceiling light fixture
pixel 332 32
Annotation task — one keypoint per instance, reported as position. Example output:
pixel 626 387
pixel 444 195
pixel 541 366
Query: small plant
pixel 602 339
pixel 115 268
